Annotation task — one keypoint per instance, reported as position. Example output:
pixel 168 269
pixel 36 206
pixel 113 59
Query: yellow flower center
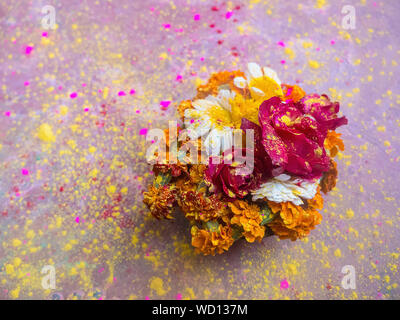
pixel 219 116
pixel 266 85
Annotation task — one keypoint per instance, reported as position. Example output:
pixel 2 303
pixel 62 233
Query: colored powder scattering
pixel 121 93
pixel 165 104
pixel 284 284
pixel 73 95
pixel 25 172
pixel 132 92
pixel 28 50
pixel 196 17
pixel 229 14
pixel 143 131
pixel 45 133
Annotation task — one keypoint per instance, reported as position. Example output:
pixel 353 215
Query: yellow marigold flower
pixel 248 217
pixel 293 93
pixel 212 242
pixel 294 222
pixel 333 143
pixel 160 201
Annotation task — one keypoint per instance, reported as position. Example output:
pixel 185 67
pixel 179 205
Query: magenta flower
pixel 293 134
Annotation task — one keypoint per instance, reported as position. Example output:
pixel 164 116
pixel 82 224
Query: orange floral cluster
pixel 294 222
pixel 217 221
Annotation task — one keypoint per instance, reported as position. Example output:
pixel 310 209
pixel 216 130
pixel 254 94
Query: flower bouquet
pixel 249 158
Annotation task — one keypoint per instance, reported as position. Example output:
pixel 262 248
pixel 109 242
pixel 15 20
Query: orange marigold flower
pixel 196 206
pixel 197 173
pixel 248 217
pixel 333 143
pixel 328 181
pixel 293 93
pixel 294 222
pixel 212 242
pixel 160 201
pixel 216 80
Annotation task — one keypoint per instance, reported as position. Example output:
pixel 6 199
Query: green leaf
pixel 162 179
pixel 212 225
pixel 266 215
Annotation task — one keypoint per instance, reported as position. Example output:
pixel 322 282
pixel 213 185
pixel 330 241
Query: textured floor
pixel 75 104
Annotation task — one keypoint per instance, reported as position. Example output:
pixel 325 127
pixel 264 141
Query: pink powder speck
pixel 44 34
pixel 165 104
pixel 166 25
pixel 333 42
pixel 281 43
pixel 77 219
pixel 73 95
pixel 7 113
pixel 284 284
pixel 25 172
pixel 228 15
pixel 26 83
pixel 283 61
pixel 143 131
pixel 179 296
pixel 121 93
pixel 178 77
pixel 196 17
pixel 28 50
pixel 133 91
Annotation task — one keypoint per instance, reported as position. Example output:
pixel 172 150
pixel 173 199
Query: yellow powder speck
pixel 320 3
pixel 350 213
pixel 17 261
pixel 381 128
pixel 111 190
pixel 45 133
pixel 92 149
pixel 16 242
pixel 157 285
pixel 338 253
pixel 314 64
pixel 63 110
pixel 9 268
pixel 15 293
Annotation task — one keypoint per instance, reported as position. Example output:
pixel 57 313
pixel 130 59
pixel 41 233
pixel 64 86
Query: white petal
pixel 203 104
pixel 255 70
pixel 283 191
pixel 272 74
pixel 240 82
pixel 213 143
pixel 257 91
pixel 283 177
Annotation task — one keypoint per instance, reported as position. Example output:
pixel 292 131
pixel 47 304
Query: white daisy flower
pixel 211 118
pixel 262 82
pixel 284 188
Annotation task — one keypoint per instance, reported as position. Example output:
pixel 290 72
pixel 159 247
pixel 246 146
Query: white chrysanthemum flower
pixel 283 188
pixel 211 118
pixel 262 82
